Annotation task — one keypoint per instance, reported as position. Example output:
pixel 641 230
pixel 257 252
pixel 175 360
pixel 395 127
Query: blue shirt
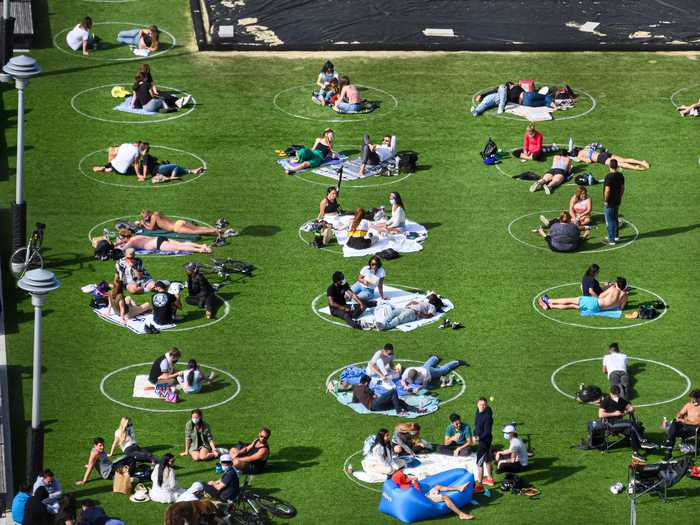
pixel 464 433
pixel 18 503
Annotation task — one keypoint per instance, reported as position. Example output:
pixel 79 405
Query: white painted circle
pixel 214 405
pixel 546 248
pixel 109 221
pixel 688 383
pixel 339 251
pixel 108 1
pixel 458 394
pixel 90 174
pixel 368 116
pixel 353 478
pixel 594 103
pixel 91 56
pixel 349 184
pixel 314 305
pixel 150 120
pixel 678 92
pixel 543 313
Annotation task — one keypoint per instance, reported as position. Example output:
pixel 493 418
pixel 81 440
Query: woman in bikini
pixel 580 207
pixel 594 155
pixel 313 157
pixel 160 243
pixel 156 220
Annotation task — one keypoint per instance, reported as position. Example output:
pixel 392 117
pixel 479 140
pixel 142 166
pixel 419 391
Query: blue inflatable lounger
pixel 410 505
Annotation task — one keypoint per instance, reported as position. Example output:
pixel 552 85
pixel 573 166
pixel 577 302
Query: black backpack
pixel 588 394
pixel 103 250
pixel 512 483
pixel 388 254
pixel 490 149
pixel 407 162
pixel 585 179
pixel 648 312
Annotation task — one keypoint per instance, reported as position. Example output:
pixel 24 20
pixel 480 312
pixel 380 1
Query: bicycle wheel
pixel 241 517
pixel 275 506
pixel 20 264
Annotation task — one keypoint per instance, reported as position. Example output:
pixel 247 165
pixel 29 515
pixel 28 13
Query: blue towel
pixel 429 403
pixel 289 162
pixel 352 374
pixel 612 314
pixel 126 108
pixel 162 252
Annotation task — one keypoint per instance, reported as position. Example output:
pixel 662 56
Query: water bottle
pixel 349 468
pixel 571 144
pixel 218 469
pixel 664 423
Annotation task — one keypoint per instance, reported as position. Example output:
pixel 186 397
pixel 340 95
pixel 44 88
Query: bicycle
pixel 254 508
pixel 29 257
pixel 224 268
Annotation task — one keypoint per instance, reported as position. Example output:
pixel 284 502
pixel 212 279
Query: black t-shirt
pixel 483 424
pixel 514 94
pixel 615 181
pixel 610 405
pixel 163 307
pixel 232 485
pixel 143 93
pixel 337 293
pixel 589 282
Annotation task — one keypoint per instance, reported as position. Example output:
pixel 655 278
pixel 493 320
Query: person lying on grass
pixel 374 154
pixel 157 220
pixel 251 458
pixel 147 38
pixel 124 307
pixel 596 154
pixel 435 494
pixel 613 298
pixel 417 378
pixel 425 308
pixel 693 110
pixel 313 157
pixel 127 239
pixel 362 393
pixel 147 165
pixel 99 461
pixel 556 175
pixel 199 441
pixel 397 221
pixel 563 235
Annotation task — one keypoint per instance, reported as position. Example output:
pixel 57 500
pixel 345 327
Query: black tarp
pixel 477 24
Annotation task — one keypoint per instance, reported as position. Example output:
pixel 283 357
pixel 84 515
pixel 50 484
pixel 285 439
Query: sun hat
pixel 140 494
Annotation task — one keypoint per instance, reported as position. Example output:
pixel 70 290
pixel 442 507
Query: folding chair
pixel 620 436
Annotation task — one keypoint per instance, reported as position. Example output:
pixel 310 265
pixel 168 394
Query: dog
pixel 194 513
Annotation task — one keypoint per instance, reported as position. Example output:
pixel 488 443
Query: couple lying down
pixel 612 298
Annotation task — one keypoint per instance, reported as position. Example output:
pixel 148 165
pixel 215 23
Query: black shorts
pixel 483 454
pixel 159 241
pixel 558 171
pixel 602 157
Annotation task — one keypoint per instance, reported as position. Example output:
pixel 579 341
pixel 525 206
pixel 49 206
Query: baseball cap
pixel 225 458
pixel 508 429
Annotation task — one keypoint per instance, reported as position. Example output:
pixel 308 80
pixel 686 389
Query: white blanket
pixel 397 297
pixel 430 464
pixel 530 113
pixel 135 324
pixel 398 242
pixel 143 388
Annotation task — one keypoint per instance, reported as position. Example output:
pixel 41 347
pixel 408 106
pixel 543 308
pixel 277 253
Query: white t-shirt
pixel 398 218
pixel 129 439
pixel 518 448
pixel 380 362
pixel 384 152
pixel 423 307
pixel 372 277
pixel 76 37
pixel 423 375
pixel 126 154
pixel 615 362
pixel 166 365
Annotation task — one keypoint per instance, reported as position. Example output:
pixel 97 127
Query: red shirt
pixel 532 144
pixel 403 481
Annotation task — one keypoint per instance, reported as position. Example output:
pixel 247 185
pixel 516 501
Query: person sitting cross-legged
pixel 458 437
pixel 564 235
pixel 613 409
pixel 685 424
pixel 200 291
pixel 252 458
pixel 435 494
pixel 199 441
pixel 362 393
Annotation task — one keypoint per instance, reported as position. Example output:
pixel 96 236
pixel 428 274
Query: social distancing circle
pixel 589 373
pixel 682 97
pixel 184 158
pixel 97 103
pixel 225 389
pixel 112 50
pixel 96 230
pixel 520 229
pixel 580 110
pixel 296 102
pixel 638 296
pixel 347 463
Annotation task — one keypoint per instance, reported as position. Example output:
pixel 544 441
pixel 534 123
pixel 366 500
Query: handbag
pixel 122 481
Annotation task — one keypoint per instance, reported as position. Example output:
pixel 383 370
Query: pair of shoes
pixel 183 101
pixel 150 329
pixel 608 242
pixel 487 481
pixel 472 110
pixel 648 445
pixel 445 324
pixel 379 326
pixel 546 189
pixel 638 458
pixel 617 239
pixel 219 241
pixel 221 223
pixel 211 377
pixel 535 186
pixel 230 232
pixel 457 325
pixel 544 220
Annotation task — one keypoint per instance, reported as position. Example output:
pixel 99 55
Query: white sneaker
pixel 472 110
pixel 547 190
pixel 212 375
pixel 535 186
pixel 544 220
pixel 230 233
pixel 184 101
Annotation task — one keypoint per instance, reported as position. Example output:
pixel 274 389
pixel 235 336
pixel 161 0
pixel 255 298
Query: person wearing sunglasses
pixel 252 458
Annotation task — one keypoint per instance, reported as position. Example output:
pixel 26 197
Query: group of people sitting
pixel 337 91
pixel 137 159
pixel 146 96
pixel 142 41
pixel 565 233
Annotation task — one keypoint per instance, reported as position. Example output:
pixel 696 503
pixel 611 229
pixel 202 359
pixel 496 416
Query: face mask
pixel 195 420
pixel 392 201
pixel 343 282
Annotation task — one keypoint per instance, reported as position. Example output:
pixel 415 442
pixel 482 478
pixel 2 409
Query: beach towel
pixel 162 252
pixel 426 465
pixel 169 235
pixel 407 242
pixel 143 388
pixel 398 298
pixel 352 374
pixel 351 169
pixel 612 314
pixel 429 403
pixel 532 114
pixel 135 324
pixel 289 162
pixel 126 108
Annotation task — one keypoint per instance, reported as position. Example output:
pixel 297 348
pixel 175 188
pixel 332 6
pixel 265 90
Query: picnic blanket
pixel 424 401
pixel 162 252
pixel 612 314
pixel 289 162
pixel 425 465
pixel 135 324
pixel 532 114
pixel 399 298
pixel 352 374
pixel 143 388
pixel 169 235
pixel 126 108
pixel 411 240
pixel 351 169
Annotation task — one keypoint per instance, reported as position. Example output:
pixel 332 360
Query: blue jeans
pixel 535 100
pixel 347 106
pixel 440 371
pixel 494 99
pixel 153 105
pixel 363 292
pixel 167 170
pixel 612 222
pixel 130 36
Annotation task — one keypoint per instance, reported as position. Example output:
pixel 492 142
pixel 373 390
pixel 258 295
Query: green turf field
pixel 271 341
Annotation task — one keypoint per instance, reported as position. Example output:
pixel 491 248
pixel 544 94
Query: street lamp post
pixel 21 68
pixel 7 26
pixel 38 283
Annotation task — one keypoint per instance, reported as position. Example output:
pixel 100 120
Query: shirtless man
pixel 142 242
pixel 614 297
pixel 685 424
pixel 349 98
pixel 590 155
pixel 156 220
